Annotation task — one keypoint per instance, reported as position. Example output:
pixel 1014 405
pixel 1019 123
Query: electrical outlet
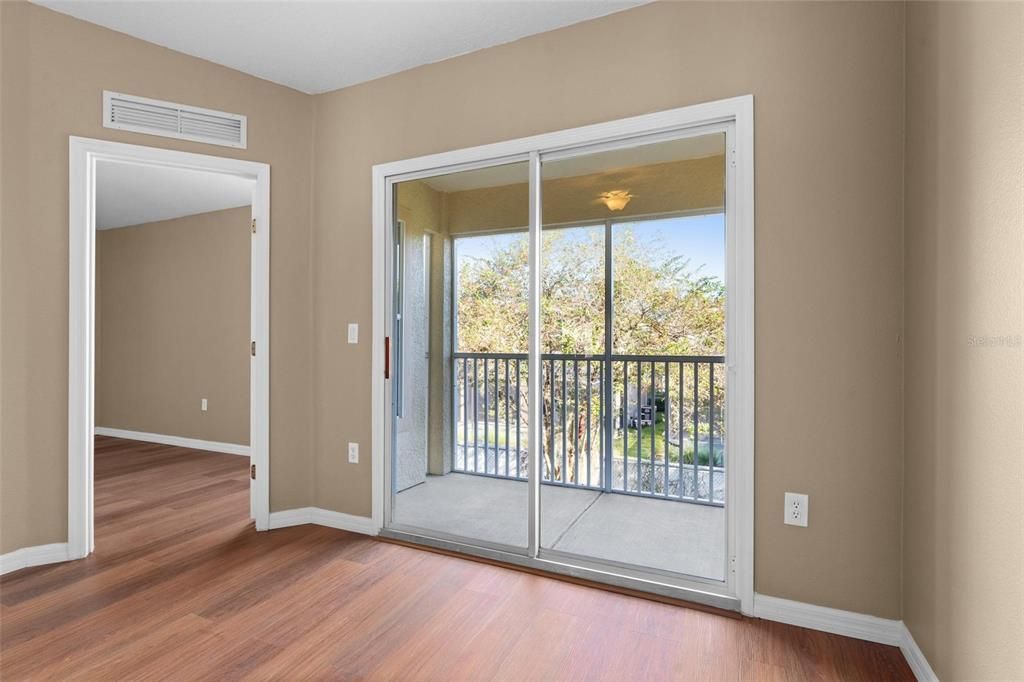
pixel 796 509
pixel 353 332
pixel 202 404
pixel 353 453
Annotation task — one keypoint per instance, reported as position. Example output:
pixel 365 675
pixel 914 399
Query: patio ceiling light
pixel 616 199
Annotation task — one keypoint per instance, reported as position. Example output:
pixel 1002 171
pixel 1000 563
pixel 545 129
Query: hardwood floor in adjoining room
pixel 182 587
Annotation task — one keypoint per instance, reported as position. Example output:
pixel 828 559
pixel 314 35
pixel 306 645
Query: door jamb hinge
pixel 252 471
pixel 254 226
pixel 252 349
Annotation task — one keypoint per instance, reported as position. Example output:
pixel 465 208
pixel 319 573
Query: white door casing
pixel 84 153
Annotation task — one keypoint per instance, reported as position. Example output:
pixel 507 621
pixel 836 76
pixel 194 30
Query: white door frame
pixel 83 154
pixel 738 114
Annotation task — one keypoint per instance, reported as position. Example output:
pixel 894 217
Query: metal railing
pixel 633 424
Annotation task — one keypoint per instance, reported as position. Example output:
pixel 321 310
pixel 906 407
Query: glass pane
pixel 633 313
pixel 493 294
pixel 572 290
pixel 680 264
pixel 459 461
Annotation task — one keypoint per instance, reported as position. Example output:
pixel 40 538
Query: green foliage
pixel 492 301
pixel 661 304
pixel 640 443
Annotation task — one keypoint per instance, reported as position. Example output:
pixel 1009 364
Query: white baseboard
pixel 323 517
pixel 848 624
pixel 836 621
pixel 291 517
pixel 194 443
pixel 40 555
pixel 915 658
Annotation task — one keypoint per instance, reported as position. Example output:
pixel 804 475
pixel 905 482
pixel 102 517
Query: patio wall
pixel 420 208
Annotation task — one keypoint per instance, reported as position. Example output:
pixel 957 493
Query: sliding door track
pixel 655 584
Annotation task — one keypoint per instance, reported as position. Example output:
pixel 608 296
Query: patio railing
pixel 631 424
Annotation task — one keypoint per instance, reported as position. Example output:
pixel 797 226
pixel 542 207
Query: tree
pixel 662 305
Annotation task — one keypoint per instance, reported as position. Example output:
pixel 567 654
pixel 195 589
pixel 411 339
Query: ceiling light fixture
pixel 616 199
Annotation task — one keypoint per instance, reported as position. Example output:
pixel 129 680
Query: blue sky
pixel 699 238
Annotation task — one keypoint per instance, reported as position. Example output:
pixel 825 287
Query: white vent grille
pixel 142 115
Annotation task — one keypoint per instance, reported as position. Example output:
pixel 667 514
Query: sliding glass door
pixel 560 391
pixel 633 348
pixel 458 455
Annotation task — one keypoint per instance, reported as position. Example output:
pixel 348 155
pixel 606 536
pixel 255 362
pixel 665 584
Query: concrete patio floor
pixel 652 533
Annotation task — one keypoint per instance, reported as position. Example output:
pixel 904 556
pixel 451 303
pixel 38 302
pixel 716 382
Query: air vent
pixel 154 117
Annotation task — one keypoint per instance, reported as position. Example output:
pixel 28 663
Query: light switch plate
pixel 353 332
pixel 353 453
pixel 796 509
pixel 202 404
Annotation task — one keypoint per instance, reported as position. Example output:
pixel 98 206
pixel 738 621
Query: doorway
pixel 93 162
pixel 594 337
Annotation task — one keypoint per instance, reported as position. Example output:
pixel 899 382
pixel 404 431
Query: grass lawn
pixel 496 438
pixel 658 431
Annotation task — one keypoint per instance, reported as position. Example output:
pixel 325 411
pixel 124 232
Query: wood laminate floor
pixel 182 587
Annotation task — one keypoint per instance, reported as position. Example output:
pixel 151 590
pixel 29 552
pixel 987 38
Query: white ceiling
pixel 316 46
pixel 133 194
pixel 587 164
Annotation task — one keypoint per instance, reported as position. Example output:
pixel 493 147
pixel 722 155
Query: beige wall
pixel 54 71
pixel 963 594
pixel 172 326
pixel 828 85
